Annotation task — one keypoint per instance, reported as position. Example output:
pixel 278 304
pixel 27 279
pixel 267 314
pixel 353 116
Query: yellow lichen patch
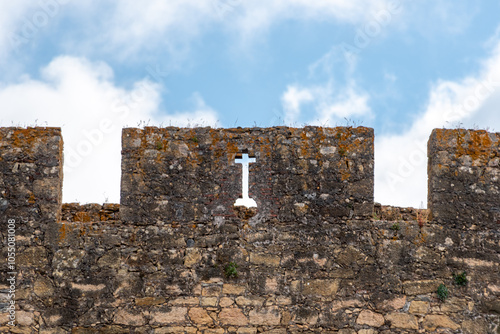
pixel 474 143
pixel 62 232
pixel 264 147
pixel 479 146
pixel 304 147
pixel 31 199
pixel 28 138
pixel 232 149
pixel 343 147
pixel 82 216
pixel 217 150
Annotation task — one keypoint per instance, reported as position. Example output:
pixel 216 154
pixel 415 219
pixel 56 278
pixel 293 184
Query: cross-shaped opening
pixel 246 201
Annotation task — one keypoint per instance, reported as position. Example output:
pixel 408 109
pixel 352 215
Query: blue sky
pixel 399 66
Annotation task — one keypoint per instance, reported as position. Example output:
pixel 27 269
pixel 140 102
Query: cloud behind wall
pixel 401 159
pixel 93 67
pixel 82 97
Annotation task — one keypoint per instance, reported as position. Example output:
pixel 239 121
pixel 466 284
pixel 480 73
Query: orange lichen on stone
pixel 203 160
pixel 232 148
pixel 82 216
pixel 478 145
pixel 31 199
pixel 62 232
pixel 474 143
pixel 343 135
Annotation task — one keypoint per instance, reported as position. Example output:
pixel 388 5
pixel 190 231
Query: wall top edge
pixel 456 131
pixel 31 128
pixel 245 129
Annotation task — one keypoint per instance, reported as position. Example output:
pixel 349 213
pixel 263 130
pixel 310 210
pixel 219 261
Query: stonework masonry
pixel 315 256
pixel 464 177
pixel 188 175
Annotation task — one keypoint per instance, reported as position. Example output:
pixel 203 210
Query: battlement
pixel 191 175
pixel 31 173
pixel 312 252
pixel 464 177
pixel 185 175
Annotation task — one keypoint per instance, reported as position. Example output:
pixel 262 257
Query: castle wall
pixel 31 173
pixel 464 177
pixel 137 268
pixel 190 174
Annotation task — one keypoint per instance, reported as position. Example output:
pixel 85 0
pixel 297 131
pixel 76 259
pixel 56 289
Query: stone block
pixel 174 315
pixel 233 316
pixel 402 320
pixel 321 287
pixel 419 307
pixel 367 317
pixel 200 316
pixel 433 321
pixel 266 316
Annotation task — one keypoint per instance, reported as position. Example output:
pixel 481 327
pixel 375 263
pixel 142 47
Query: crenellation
pixel 191 174
pixel 315 256
pixel 31 169
pixel 464 183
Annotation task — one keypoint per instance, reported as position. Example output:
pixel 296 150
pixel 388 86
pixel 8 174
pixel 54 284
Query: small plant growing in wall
pixel 422 215
pixel 443 292
pixel 395 227
pixel 231 270
pixel 460 279
pixel 159 145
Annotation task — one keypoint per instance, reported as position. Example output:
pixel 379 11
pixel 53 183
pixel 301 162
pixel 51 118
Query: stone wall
pixel 31 173
pixel 464 177
pixel 188 175
pixel 307 271
pixel 31 163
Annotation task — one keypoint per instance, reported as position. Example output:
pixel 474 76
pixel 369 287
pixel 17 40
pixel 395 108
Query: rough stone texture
pixel 74 212
pixel 433 321
pixel 182 175
pixel 402 320
pixel 94 273
pixel 31 174
pixel 30 194
pixel 370 318
pixel 464 177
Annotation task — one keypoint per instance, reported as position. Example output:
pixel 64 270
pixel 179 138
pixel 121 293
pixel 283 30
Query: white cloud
pixel 347 104
pixel 259 15
pixel 136 28
pixel 81 97
pixel 12 16
pixel 330 105
pixel 292 100
pixel 401 159
pixel 132 19
pixel 436 17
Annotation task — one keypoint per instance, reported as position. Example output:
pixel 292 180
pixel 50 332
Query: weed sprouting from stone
pixel 443 292
pixel 460 279
pixel 231 270
pixel 395 226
